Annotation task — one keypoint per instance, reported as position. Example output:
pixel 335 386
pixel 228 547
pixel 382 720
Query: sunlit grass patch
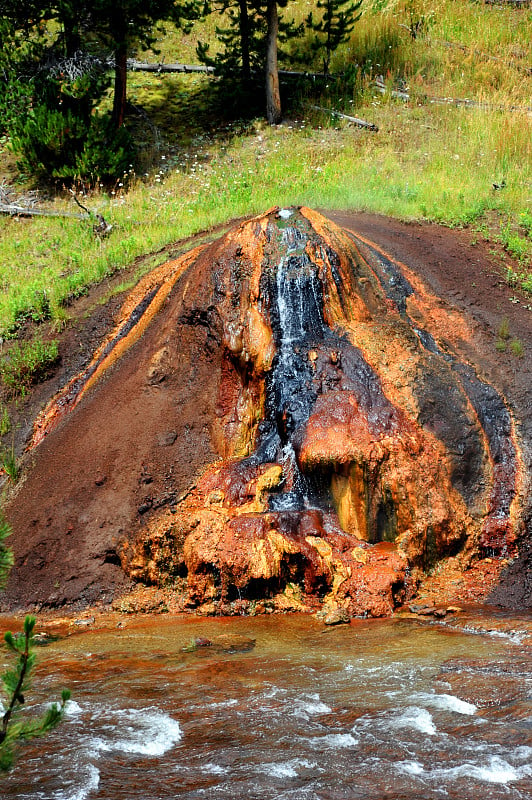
pixel 27 363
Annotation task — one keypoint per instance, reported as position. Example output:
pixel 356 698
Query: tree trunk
pixel 72 37
pixel 120 88
pixel 244 41
pixel 273 97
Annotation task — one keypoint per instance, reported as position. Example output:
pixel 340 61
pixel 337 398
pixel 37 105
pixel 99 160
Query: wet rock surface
pixel 284 419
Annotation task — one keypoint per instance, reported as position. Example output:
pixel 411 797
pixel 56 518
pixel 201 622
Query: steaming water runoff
pixel 379 709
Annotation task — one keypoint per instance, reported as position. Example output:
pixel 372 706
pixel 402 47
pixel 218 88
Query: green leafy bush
pixel 105 155
pixel 61 145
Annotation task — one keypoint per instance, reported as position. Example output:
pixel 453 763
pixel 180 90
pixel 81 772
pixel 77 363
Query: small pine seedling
pixel 516 346
pixel 6 554
pixel 500 346
pixel 16 681
pixel 504 329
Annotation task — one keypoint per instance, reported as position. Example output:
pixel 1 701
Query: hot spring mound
pixel 284 418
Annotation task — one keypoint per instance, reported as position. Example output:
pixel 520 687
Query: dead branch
pixel 362 123
pixel 486 56
pixel 26 206
pixel 83 208
pixel 102 227
pixel 15 210
pixel 455 101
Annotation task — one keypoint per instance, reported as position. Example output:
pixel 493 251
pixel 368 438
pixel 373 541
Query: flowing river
pixel 401 708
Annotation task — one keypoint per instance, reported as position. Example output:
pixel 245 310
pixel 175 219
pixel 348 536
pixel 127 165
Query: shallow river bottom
pixel 379 709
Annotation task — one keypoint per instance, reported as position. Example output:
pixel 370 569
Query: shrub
pixel 105 155
pixel 48 109
pixel 55 143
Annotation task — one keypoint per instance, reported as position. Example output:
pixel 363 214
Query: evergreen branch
pixel 17 698
pixel 15 682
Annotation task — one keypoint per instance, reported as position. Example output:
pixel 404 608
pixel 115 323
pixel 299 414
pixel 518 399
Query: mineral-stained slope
pixel 275 416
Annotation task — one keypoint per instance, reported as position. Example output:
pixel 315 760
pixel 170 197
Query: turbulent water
pixel 380 709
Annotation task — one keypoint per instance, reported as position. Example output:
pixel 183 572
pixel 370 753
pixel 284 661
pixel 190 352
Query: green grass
pixel 9 464
pixel 27 363
pixel 5 421
pixel 436 162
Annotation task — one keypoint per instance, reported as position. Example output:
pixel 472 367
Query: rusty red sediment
pixel 499 530
pixel 137 312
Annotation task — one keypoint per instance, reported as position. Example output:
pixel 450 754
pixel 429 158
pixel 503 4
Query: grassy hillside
pixel 453 163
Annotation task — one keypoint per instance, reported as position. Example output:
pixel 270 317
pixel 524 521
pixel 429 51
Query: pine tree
pixel 273 94
pixel 122 24
pixel 334 27
pixel 250 47
pixel 242 40
pixel 16 681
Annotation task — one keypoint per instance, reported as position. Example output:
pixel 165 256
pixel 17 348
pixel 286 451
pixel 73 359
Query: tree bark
pixel 120 88
pixel 72 37
pixel 244 41
pixel 273 96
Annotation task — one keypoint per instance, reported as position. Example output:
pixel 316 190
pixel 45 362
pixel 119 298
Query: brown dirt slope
pixel 67 531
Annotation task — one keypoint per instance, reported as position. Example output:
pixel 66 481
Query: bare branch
pixel 362 123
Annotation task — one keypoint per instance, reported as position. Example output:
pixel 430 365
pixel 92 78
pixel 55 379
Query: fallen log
pixel 485 56
pixel 394 92
pixel 145 66
pixel 362 123
pixel 15 210
pixel 516 3
pixel 456 101
pixel 100 228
